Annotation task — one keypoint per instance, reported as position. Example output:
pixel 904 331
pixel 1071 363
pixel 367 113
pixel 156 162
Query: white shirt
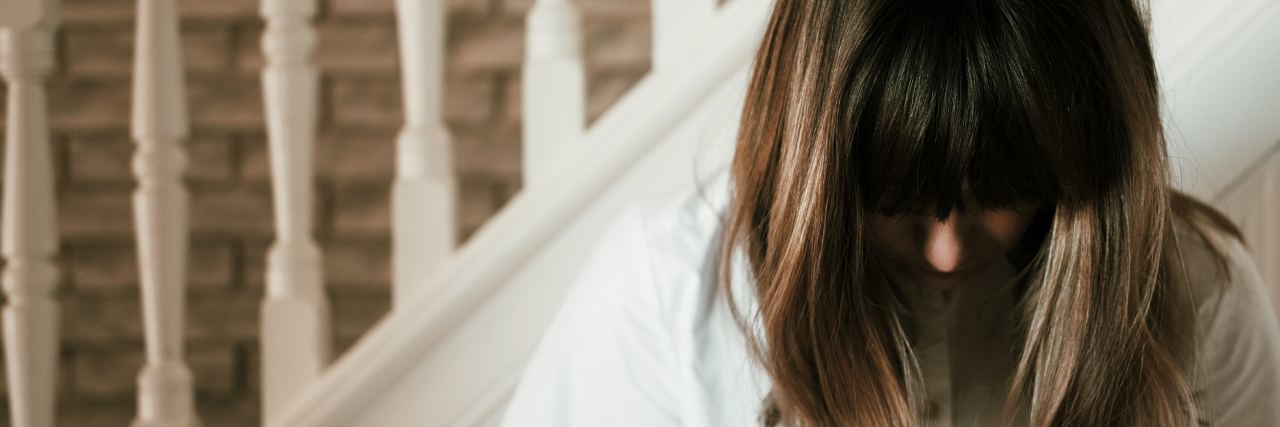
pixel 645 337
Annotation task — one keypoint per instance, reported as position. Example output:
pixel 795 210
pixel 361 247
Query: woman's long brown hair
pixel 859 106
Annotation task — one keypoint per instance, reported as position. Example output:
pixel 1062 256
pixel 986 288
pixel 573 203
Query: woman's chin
pixel 940 282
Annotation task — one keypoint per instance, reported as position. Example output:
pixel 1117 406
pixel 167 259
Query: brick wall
pixel 229 181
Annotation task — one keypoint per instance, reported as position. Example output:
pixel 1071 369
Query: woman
pixel 938 213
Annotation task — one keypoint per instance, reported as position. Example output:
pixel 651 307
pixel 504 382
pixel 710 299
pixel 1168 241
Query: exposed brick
pixel 112 371
pixel 99 158
pixel 491 151
pixel 115 319
pixel 511 95
pixel 608 8
pixel 362 7
pixel 107 372
pixel 225 412
pixel 114 412
pixel 361 154
pixel 366 102
pixel 113 265
pixel 3 105
pixel 232 102
pixel 362 209
pixel 108 50
pixel 95 213
pixel 249 362
pixel 254 161
pixel 214 367
pixel 349 263
pixel 376 102
pixel 617 43
pixel 4 374
pixel 101 320
pixel 477 201
pixel 357 155
pixel 89 105
pixel 206 49
pixel 76 12
pixel 245 210
pixel 485 44
pixel 205 10
pixel 209 159
pixel 358 263
pixel 387 7
pixel 107 157
pixel 357 311
pixel 117 11
pixel 103 265
pixel 253 258
pixel 345 46
pixel 470 100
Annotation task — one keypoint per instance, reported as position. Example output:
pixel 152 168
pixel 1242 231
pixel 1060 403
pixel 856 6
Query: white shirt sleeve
pixel 606 358
pixel 1241 350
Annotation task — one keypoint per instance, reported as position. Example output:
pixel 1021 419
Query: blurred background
pixel 452 355
pixel 228 177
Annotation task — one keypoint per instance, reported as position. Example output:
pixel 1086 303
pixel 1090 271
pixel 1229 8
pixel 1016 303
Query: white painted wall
pixel 1220 65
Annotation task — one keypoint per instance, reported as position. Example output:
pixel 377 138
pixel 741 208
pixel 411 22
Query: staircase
pixel 465 318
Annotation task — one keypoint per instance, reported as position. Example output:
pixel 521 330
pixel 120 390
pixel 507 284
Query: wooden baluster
pixel 160 206
pixel 674 23
pixel 296 344
pixel 554 96
pixel 30 223
pixel 423 195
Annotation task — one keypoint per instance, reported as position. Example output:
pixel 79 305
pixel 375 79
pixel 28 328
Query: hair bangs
pixel 941 113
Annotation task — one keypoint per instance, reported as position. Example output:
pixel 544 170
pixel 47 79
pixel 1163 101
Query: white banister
pixel 626 133
pixel 423 194
pixel 30 225
pixel 674 22
pixel 160 206
pixel 295 312
pixel 554 98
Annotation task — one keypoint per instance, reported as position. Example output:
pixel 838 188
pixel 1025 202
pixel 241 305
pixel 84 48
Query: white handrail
pixel 620 138
pixel 424 192
pixel 160 205
pixel 554 97
pixel 30 219
pixel 296 321
pixel 674 22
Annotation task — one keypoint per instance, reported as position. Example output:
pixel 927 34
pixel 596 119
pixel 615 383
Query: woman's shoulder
pixel 617 347
pixel 1216 261
pixel 682 226
pixel 1239 344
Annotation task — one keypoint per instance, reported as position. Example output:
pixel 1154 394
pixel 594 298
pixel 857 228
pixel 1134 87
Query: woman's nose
pixel 943 245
